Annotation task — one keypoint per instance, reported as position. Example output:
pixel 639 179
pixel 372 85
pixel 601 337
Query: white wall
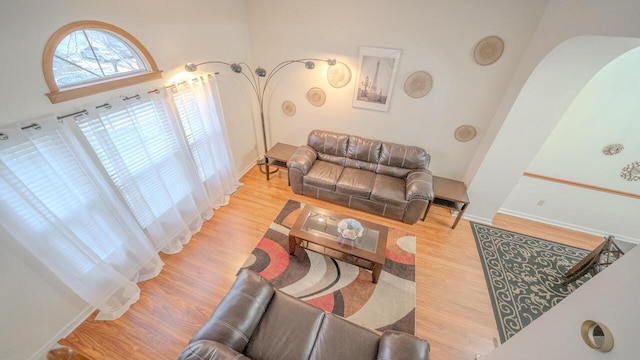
pixel 575 208
pixel 434 36
pixel 541 103
pixel 604 112
pixel 35 308
pixel 525 118
pixel 527 115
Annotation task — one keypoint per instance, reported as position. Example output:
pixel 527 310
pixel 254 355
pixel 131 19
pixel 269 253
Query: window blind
pixel 56 190
pixel 54 202
pixel 138 149
pixel 195 129
pixel 198 108
pixel 139 143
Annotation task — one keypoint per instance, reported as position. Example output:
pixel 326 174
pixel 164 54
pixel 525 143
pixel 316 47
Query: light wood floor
pixel 453 308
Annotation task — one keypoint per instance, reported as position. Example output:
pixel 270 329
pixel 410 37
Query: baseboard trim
pixel 246 170
pixel 41 354
pixel 477 219
pixel 568 225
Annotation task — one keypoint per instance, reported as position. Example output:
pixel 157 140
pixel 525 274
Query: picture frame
pixel 376 77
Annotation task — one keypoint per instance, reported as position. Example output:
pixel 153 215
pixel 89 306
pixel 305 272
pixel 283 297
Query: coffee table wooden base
pixel 375 268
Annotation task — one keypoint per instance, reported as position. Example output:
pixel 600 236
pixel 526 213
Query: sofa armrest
pixel 396 345
pixel 419 185
pixel 238 314
pixel 302 159
pixel 209 350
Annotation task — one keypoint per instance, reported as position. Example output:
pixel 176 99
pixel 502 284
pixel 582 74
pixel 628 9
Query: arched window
pixel 88 57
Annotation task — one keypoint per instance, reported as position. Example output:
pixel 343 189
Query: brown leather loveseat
pixel 256 321
pixel 379 177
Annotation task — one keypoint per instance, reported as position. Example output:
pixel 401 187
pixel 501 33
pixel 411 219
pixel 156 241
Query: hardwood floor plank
pixel 453 309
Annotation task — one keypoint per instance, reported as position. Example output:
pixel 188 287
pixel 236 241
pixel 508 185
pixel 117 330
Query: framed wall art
pixel 376 76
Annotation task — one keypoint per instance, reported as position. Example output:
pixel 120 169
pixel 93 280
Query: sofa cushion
pixel 392 171
pixel 364 149
pixel 397 160
pixel 389 190
pixel 340 339
pixel 287 330
pixel 359 164
pixel 328 143
pixel 334 159
pixel 324 175
pixel 356 182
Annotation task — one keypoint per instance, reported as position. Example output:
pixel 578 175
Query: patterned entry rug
pixel 338 287
pixel 524 275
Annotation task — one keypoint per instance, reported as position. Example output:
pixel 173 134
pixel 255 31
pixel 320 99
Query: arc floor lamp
pixel 258 87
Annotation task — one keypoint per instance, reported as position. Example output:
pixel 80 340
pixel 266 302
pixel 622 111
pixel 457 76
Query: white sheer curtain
pixel 138 141
pixel 198 106
pixel 57 205
pixel 96 199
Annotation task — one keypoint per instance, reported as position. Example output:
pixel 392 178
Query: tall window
pixel 139 143
pixel 95 199
pixel 87 57
pixel 55 203
pixel 202 120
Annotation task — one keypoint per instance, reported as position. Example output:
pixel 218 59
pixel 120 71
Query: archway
pixel 548 92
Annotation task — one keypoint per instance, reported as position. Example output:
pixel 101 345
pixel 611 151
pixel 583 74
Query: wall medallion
pixel 316 96
pixel 612 149
pixel 631 172
pixel 488 50
pixel 289 108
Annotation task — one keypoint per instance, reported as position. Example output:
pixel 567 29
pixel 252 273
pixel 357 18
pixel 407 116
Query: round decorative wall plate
pixel 418 84
pixel 612 149
pixel 316 96
pixel 631 172
pixel 338 75
pixel 465 133
pixel 488 50
pixel 289 108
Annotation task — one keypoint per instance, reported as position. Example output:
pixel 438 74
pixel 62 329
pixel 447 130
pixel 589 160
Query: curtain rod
pixel 105 105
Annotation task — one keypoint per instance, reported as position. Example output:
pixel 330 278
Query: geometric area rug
pixel 524 275
pixel 338 287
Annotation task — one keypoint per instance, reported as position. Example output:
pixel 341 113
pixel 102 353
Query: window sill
pixel 58 96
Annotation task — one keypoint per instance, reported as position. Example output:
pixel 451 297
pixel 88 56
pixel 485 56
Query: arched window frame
pixel 56 95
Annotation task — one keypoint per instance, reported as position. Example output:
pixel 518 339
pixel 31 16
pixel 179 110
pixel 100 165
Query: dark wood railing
pixel 585 186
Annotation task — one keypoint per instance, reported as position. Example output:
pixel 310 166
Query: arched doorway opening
pixel 545 97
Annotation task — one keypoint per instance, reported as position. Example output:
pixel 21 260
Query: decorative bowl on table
pixel 350 229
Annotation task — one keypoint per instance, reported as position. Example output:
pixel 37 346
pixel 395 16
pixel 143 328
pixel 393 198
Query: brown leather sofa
pixel 256 321
pixel 379 177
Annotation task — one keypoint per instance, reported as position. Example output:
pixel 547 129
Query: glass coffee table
pixel 316 229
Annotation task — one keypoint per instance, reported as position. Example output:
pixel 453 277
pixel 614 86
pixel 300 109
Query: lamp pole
pixel 260 88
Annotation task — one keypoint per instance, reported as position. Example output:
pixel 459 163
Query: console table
pixel 449 194
pixel 278 156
